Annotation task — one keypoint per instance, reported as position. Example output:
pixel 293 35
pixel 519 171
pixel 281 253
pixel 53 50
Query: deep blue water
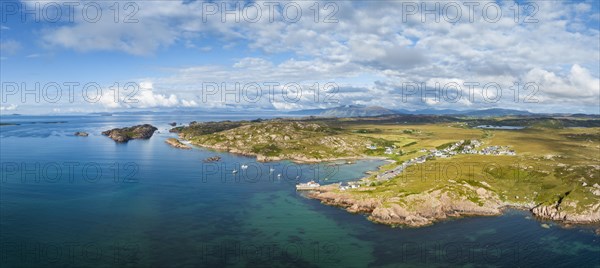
pixel 69 201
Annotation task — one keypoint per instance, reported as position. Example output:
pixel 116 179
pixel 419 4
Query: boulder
pixel 81 134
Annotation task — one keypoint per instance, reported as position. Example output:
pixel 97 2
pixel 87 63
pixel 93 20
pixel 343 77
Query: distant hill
pixel 346 111
pixel 431 112
pixel 350 111
pixel 356 111
pixel 308 112
pixel 496 112
pixel 361 111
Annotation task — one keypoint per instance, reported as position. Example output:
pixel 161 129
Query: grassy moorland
pixel 555 171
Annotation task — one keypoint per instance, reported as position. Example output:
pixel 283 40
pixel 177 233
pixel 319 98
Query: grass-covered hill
pixel 303 141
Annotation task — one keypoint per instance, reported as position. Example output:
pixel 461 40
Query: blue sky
pixel 367 52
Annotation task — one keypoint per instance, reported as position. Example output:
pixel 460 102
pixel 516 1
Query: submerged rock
pixel 128 133
pixel 173 124
pixel 212 159
pixel 81 134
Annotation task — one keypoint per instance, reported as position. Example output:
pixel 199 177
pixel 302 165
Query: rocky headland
pixel 426 208
pixel 177 143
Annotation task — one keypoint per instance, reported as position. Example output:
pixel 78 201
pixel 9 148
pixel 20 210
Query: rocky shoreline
pixel 555 213
pixel 427 208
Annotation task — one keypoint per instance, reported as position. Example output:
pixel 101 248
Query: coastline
pixel 298 159
pixel 436 206
pixel 428 207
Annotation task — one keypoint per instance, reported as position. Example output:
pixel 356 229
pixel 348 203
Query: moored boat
pixel 311 185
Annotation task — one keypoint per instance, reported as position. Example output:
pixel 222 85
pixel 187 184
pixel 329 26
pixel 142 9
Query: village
pixel 460 147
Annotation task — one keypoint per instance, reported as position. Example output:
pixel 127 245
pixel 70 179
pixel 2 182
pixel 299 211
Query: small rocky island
pixel 125 134
pixel 177 144
pixel 215 158
pixel 81 134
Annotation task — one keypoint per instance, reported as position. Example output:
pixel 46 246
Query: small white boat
pixel 244 166
pixel 234 171
pixel 279 175
pixel 271 170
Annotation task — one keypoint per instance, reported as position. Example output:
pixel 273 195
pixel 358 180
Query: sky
pixel 61 57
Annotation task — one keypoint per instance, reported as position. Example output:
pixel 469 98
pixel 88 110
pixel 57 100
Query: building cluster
pixel 459 147
pixel 350 185
pixel 496 150
pixel 388 150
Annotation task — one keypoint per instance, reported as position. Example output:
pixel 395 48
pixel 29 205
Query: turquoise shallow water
pixel 70 201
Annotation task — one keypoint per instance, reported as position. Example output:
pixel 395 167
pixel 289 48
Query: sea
pixel 69 201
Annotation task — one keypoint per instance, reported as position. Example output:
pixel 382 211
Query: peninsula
pixel 442 166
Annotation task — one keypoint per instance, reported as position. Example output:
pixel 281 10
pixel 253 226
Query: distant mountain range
pixel 352 111
pixel 347 111
pixel 360 110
